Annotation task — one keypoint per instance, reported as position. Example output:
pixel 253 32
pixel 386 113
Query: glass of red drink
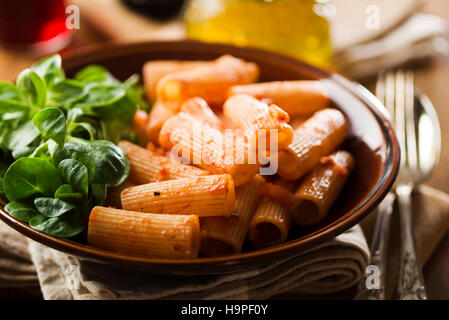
pixel 37 25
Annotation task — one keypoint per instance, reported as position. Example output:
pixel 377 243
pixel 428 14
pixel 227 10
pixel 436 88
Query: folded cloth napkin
pixel 16 271
pixel 331 267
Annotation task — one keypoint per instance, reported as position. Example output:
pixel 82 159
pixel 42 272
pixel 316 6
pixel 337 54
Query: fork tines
pixel 396 91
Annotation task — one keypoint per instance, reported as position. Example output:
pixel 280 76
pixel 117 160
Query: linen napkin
pixel 328 268
pixel 331 267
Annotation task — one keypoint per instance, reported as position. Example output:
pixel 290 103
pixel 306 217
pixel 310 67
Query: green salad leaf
pixel 32 88
pixel 51 123
pixel 95 74
pixel 24 134
pixel 57 135
pixel 12 107
pixel 10 102
pixel 109 102
pixel 52 207
pixel 65 226
pixel 99 192
pixel 49 69
pixel 31 176
pixel 21 211
pixel 65 93
pixel 67 193
pixel 107 163
pixel 8 91
pixel 82 130
pixel 76 174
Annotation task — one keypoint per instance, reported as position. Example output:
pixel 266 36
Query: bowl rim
pixel 230 263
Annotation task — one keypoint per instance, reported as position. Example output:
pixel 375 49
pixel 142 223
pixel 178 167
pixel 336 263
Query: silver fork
pixel 418 132
pixel 411 283
pixel 414 170
pixel 385 92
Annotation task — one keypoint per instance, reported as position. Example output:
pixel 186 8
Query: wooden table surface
pixel 433 80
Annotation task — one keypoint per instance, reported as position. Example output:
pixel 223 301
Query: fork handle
pixel 411 282
pixel 379 245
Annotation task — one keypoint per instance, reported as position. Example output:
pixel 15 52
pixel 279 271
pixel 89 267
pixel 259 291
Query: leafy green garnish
pixel 66 226
pixel 68 193
pixel 57 135
pixel 49 69
pixel 52 207
pixel 32 88
pixel 21 211
pixel 65 93
pixel 51 123
pixel 75 174
pixel 27 177
pixel 24 134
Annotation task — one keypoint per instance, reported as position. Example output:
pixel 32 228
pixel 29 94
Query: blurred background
pixel 354 37
pixel 357 38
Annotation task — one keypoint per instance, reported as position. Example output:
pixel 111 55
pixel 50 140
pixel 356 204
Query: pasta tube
pixel 315 138
pixel 272 220
pixel 144 234
pixel 147 166
pixel 256 118
pixel 200 110
pixel 159 113
pixel 321 187
pixel 140 126
pixel 113 194
pixel 210 82
pixel 208 148
pixel 225 235
pixel 205 196
pixel 299 97
pixel 155 70
pixel 282 191
pixel 270 224
pixel 298 121
pixel 151 147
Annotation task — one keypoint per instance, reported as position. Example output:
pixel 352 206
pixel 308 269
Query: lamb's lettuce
pixel 57 135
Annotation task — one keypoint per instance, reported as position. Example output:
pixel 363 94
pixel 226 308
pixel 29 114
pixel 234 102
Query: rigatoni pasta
pixel 153 71
pixel 208 148
pixel 256 118
pixel 270 224
pixel 204 196
pixel 300 97
pixel 140 122
pixel 210 82
pixel 321 187
pixel 113 193
pixel 200 110
pixel 315 138
pixel 196 188
pixel 225 235
pixel 147 166
pixel 160 112
pixel 281 191
pixel 272 220
pixel 144 234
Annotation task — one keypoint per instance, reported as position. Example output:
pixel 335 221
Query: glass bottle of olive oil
pixel 291 27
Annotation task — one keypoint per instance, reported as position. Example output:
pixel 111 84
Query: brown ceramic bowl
pixel 371 141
